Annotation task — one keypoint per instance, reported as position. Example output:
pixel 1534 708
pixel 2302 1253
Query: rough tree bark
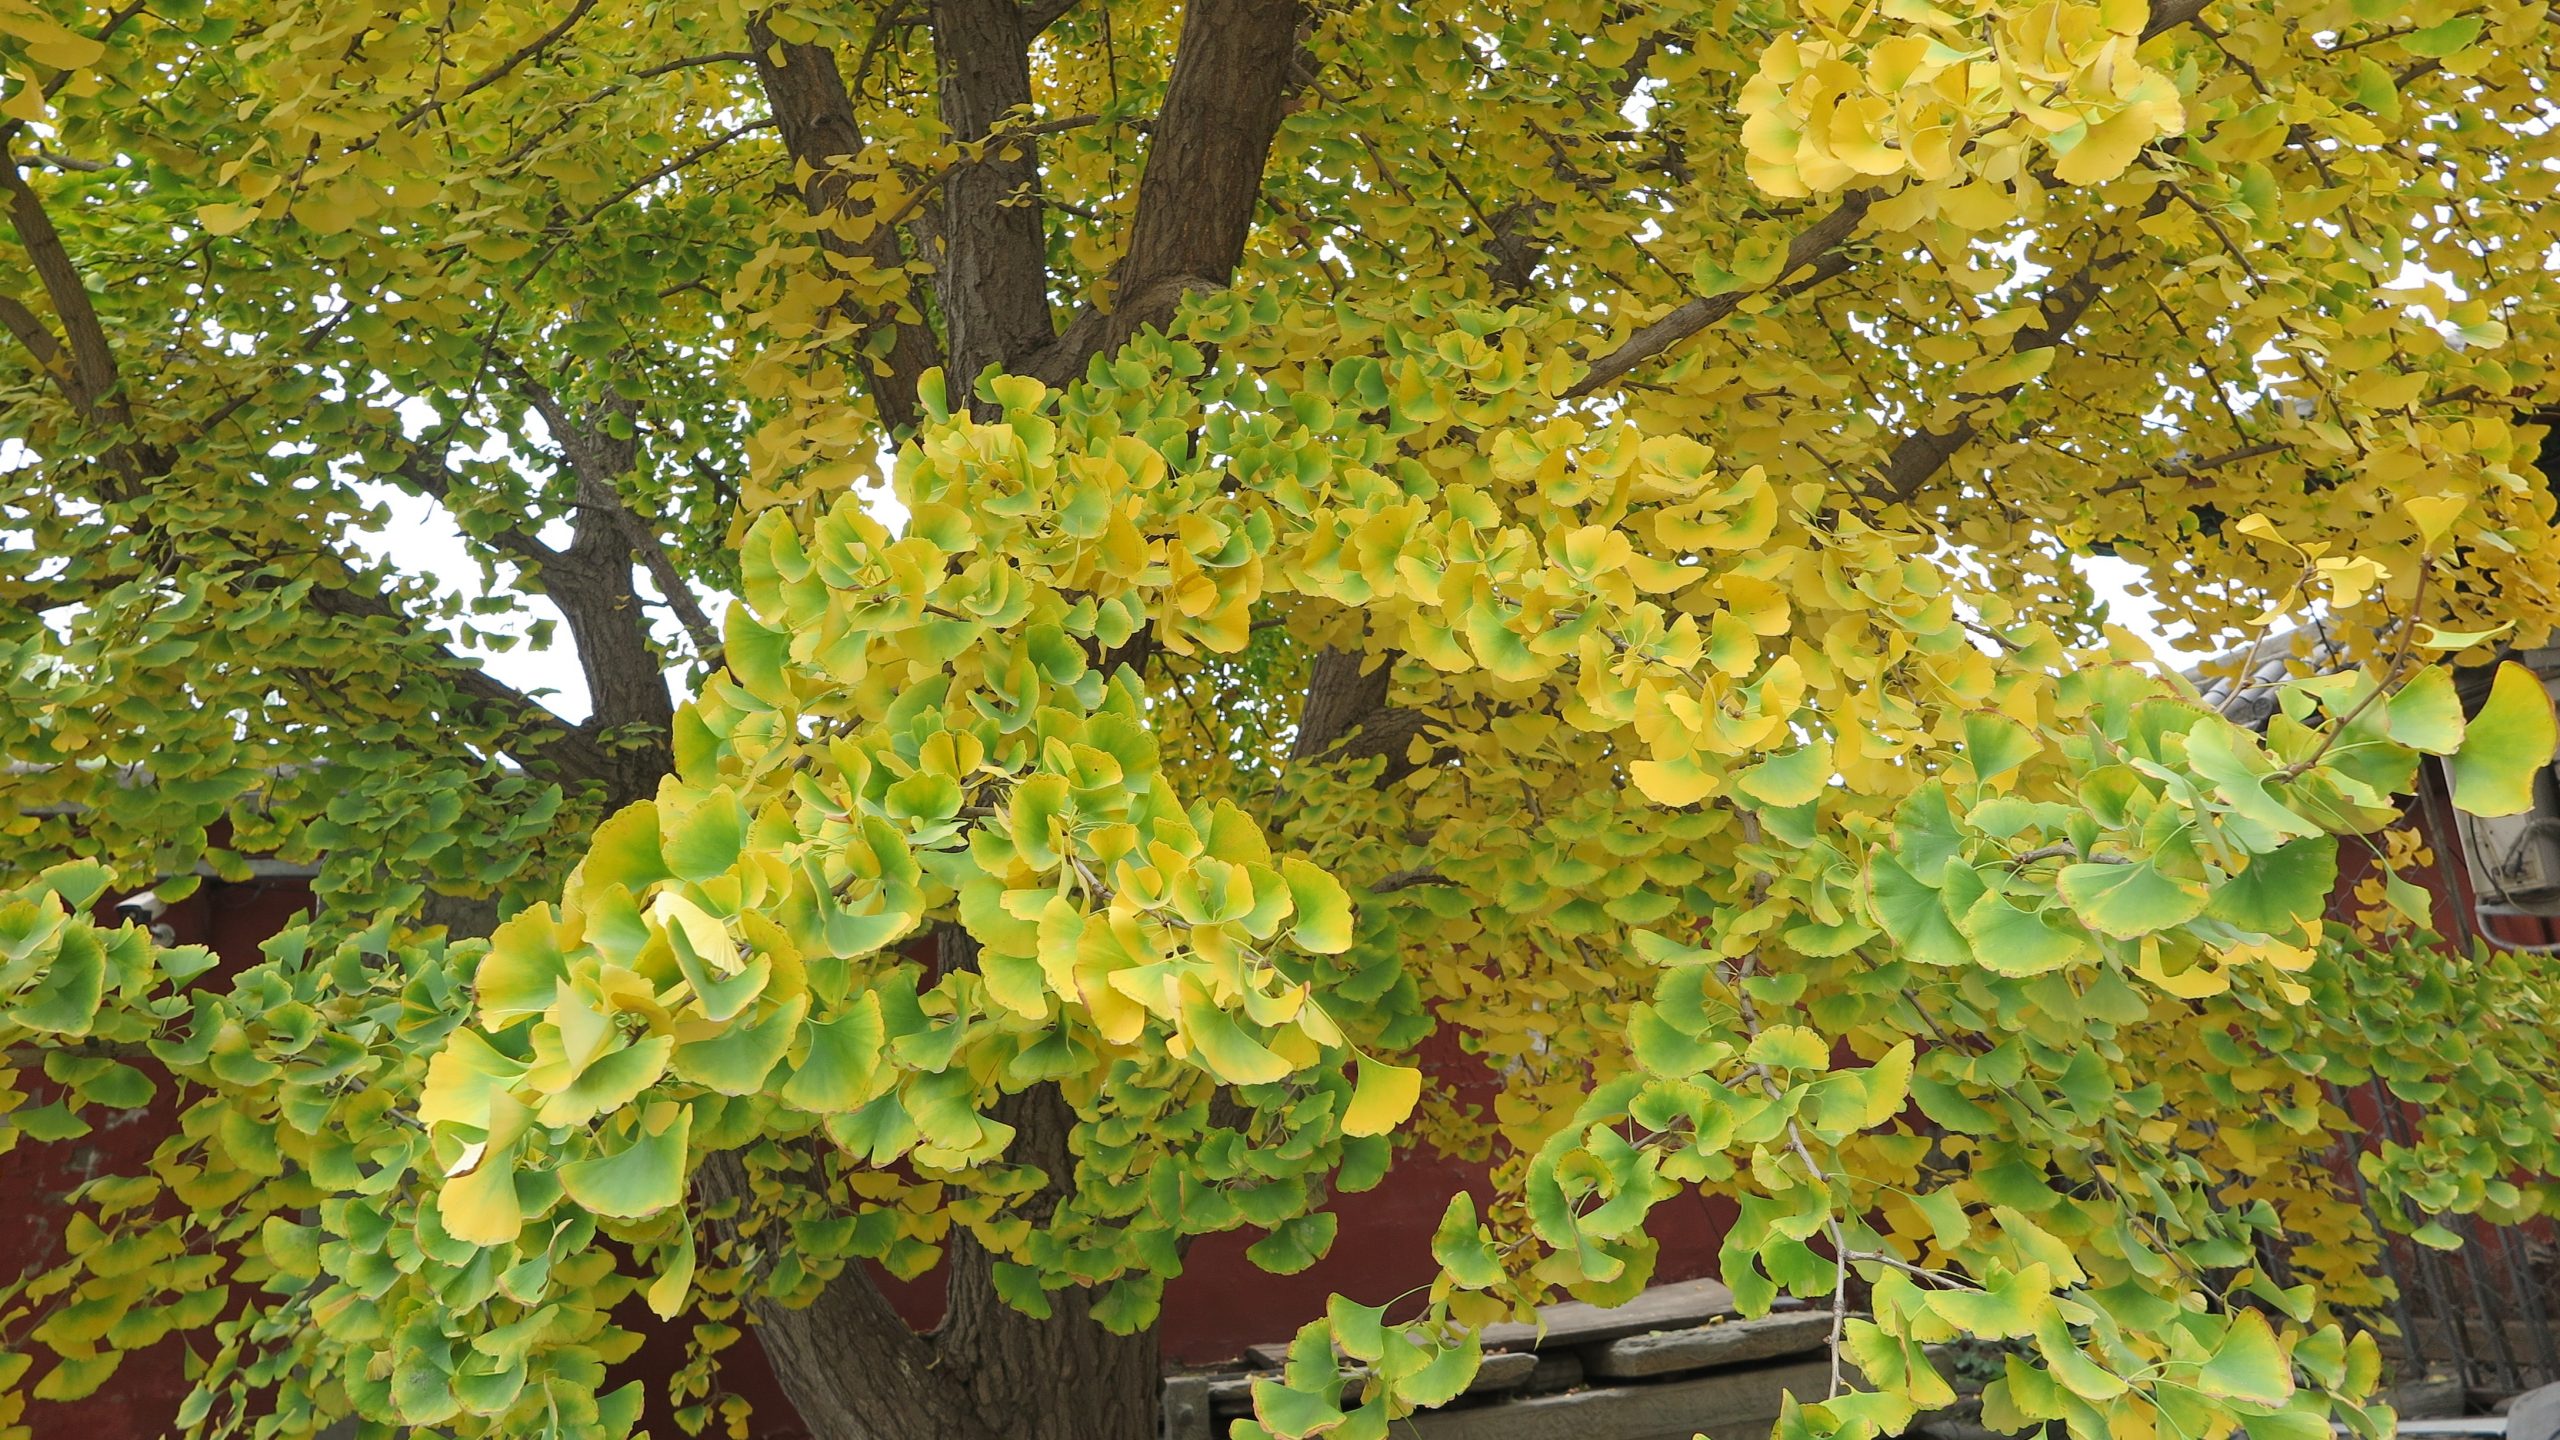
pixel 815 114
pixel 855 1371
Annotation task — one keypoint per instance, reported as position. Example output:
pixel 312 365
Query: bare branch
pixel 503 68
pixel 1687 319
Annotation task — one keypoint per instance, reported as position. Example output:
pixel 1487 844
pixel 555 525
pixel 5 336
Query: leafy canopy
pixel 1552 522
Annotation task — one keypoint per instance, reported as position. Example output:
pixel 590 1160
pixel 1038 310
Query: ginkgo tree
pixel 1549 523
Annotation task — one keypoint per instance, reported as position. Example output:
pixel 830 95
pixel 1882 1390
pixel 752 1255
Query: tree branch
pixel 503 68
pixel 91 374
pixel 1921 453
pixel 1687 319
pixel 1810 244
pixel 1236 65
pixel 1039 17
pixel 39 343
pixel 815 114
pixel 994 275
pixel 430 476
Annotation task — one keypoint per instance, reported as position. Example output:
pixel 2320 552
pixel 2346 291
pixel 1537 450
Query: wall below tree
pixel 1219 1305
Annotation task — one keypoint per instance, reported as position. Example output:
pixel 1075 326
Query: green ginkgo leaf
pixel 1915 915
pixel 65 1001
pixel 2282 889
pixel 1295 1243
pixel 2505 746
pixel 1458 1244
pixel 2248 1364
pixel 2425 714
pixel 643 1177
pixel 705 840
pixel 609 1083
pixel 1323 908
pixel 2130 899
pixel 736 1059
pixel 1789 779
pixel 843 1056
pixel 2015 941
pixel 1225 1050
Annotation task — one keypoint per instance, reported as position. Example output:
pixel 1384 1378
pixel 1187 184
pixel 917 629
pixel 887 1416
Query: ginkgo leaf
pixel 482 1206
pixel 1323 908
pixel 844 1055
pixel 645 1175
pixel 1789 779
pixel 608 1083
pixel 2016 941
pixel 2129 899
pixel 2506 746
pixel 736 1057
pixel 2247 1363
pixel 2282 889
pixel 1460 1248
pixel 2425 714
pixel 1384 1096
pixel 1915 915
pixel 1225 1050
pixel 2010 1307
pixel 704 841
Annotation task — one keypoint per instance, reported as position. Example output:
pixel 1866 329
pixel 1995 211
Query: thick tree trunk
pixel 855 1371
pixel 1062 1378
pixel 995 279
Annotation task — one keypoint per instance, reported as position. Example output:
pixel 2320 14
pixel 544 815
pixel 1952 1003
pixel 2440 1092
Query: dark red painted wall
pixel 1218 1306
pixel 37 1180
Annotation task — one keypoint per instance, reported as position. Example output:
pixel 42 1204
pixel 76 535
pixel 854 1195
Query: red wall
pixel 1219 1305
pixel 144 1393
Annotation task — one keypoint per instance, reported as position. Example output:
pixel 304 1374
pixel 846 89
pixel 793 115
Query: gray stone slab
pixel 1500 1373
pixel 1732 1405
pixel 2535 1415
pixel 2438 1397
pixel 1573 1323
pixel 1664 1307
pixel 1186 1409
pixel 1557 1370
pixel 1727 1342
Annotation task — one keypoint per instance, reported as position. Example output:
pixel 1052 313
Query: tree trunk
pixel 1063 1378
pixel 855 1371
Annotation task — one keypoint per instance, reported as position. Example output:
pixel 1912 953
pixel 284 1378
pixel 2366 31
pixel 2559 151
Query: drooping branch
pixel 1237 64
pixel 815 114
